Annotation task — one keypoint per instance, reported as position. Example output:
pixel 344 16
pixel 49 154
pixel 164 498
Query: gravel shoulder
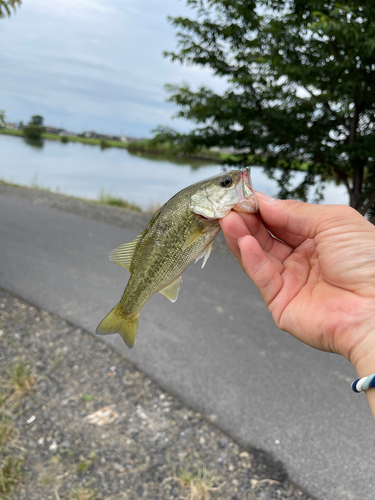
pixel 150 444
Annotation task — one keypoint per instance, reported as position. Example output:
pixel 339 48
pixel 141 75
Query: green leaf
pixel 299 90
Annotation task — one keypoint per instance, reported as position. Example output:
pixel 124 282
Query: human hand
pixel 318 282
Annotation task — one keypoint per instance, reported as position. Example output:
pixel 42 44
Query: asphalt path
pixel 216 347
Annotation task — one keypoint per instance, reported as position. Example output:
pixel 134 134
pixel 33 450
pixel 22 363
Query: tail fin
pixel 117 321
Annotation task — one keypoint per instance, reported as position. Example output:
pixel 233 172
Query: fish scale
pixel 181 231
pixel 164 263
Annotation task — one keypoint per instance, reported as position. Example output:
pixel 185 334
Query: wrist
pixel 362 356
pixel 363 360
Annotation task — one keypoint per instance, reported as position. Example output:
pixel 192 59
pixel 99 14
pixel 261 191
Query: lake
pixel 84 171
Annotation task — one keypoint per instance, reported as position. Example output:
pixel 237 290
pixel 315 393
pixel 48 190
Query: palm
pixel 314 288
pixel 312 302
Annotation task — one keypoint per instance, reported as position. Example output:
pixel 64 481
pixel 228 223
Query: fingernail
pixel 263 197
pixel 238 241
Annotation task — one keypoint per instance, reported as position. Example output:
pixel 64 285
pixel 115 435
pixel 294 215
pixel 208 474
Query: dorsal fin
pixel 123 254
pixel 171 291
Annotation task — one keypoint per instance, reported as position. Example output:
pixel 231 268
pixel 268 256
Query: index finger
pixel 237 225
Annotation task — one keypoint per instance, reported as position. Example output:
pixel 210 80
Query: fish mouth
pixel 247 200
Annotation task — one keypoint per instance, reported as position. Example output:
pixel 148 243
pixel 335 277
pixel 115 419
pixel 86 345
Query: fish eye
pixel 226 182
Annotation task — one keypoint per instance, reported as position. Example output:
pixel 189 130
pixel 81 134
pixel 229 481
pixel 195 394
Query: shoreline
pixel 145 147
pixel 141 147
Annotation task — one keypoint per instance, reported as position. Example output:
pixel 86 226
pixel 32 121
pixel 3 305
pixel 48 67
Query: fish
pixel 180 232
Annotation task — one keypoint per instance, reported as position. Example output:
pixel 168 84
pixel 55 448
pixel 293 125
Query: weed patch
pixel 85 463
pixel 197 479
pixel 87 398
pixel 6 429
pixel 10 473
pixel 107 198
pixel 22 380
pixel 83 494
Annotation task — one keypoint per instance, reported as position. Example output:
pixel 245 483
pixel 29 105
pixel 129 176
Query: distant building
pixel 11 126
pixel 91 134
pixel 53 130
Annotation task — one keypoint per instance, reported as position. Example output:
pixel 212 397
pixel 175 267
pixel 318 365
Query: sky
pixel 94 65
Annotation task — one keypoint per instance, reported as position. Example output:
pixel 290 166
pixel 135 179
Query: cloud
pixel 83 9
pixel 89 59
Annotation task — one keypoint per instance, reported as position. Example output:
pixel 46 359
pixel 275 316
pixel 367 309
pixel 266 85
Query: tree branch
pixel 335 51
pixel 326 105
pixel 368 203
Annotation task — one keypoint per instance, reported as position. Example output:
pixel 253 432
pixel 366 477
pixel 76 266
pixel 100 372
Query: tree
pixel 300 89
pixel 37 120
pixel 34 129
pixel 6 7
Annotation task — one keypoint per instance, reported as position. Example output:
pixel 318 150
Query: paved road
pixel 216 347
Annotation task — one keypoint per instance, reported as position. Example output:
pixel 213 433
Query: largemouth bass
pixel 181 231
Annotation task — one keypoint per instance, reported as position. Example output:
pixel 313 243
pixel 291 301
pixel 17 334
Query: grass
pixel 10 473
pixel 87 398
pixel 21 381
pixel 21 378
pixel 142 146
pixel 106 198
pixel 85 463
pixel 35 185
pixel 87 140
pixel 6 131
pixel 147 148
pixel 197 479
pixel 3 398
pixel 57 361
pixel 47 478
pixel 67 138
pixel 6 429
pixel 83 494
pixel 10 184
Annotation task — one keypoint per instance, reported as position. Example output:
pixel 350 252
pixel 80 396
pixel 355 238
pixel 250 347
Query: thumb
pixel 288 219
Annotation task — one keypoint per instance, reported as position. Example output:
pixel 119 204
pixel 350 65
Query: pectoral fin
pixel 171 291
pixel 205 254
pixel 123 254
pixel 193 237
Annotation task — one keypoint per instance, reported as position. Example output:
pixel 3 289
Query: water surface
pixel 82 170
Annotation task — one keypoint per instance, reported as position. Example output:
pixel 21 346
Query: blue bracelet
pixel 362 384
